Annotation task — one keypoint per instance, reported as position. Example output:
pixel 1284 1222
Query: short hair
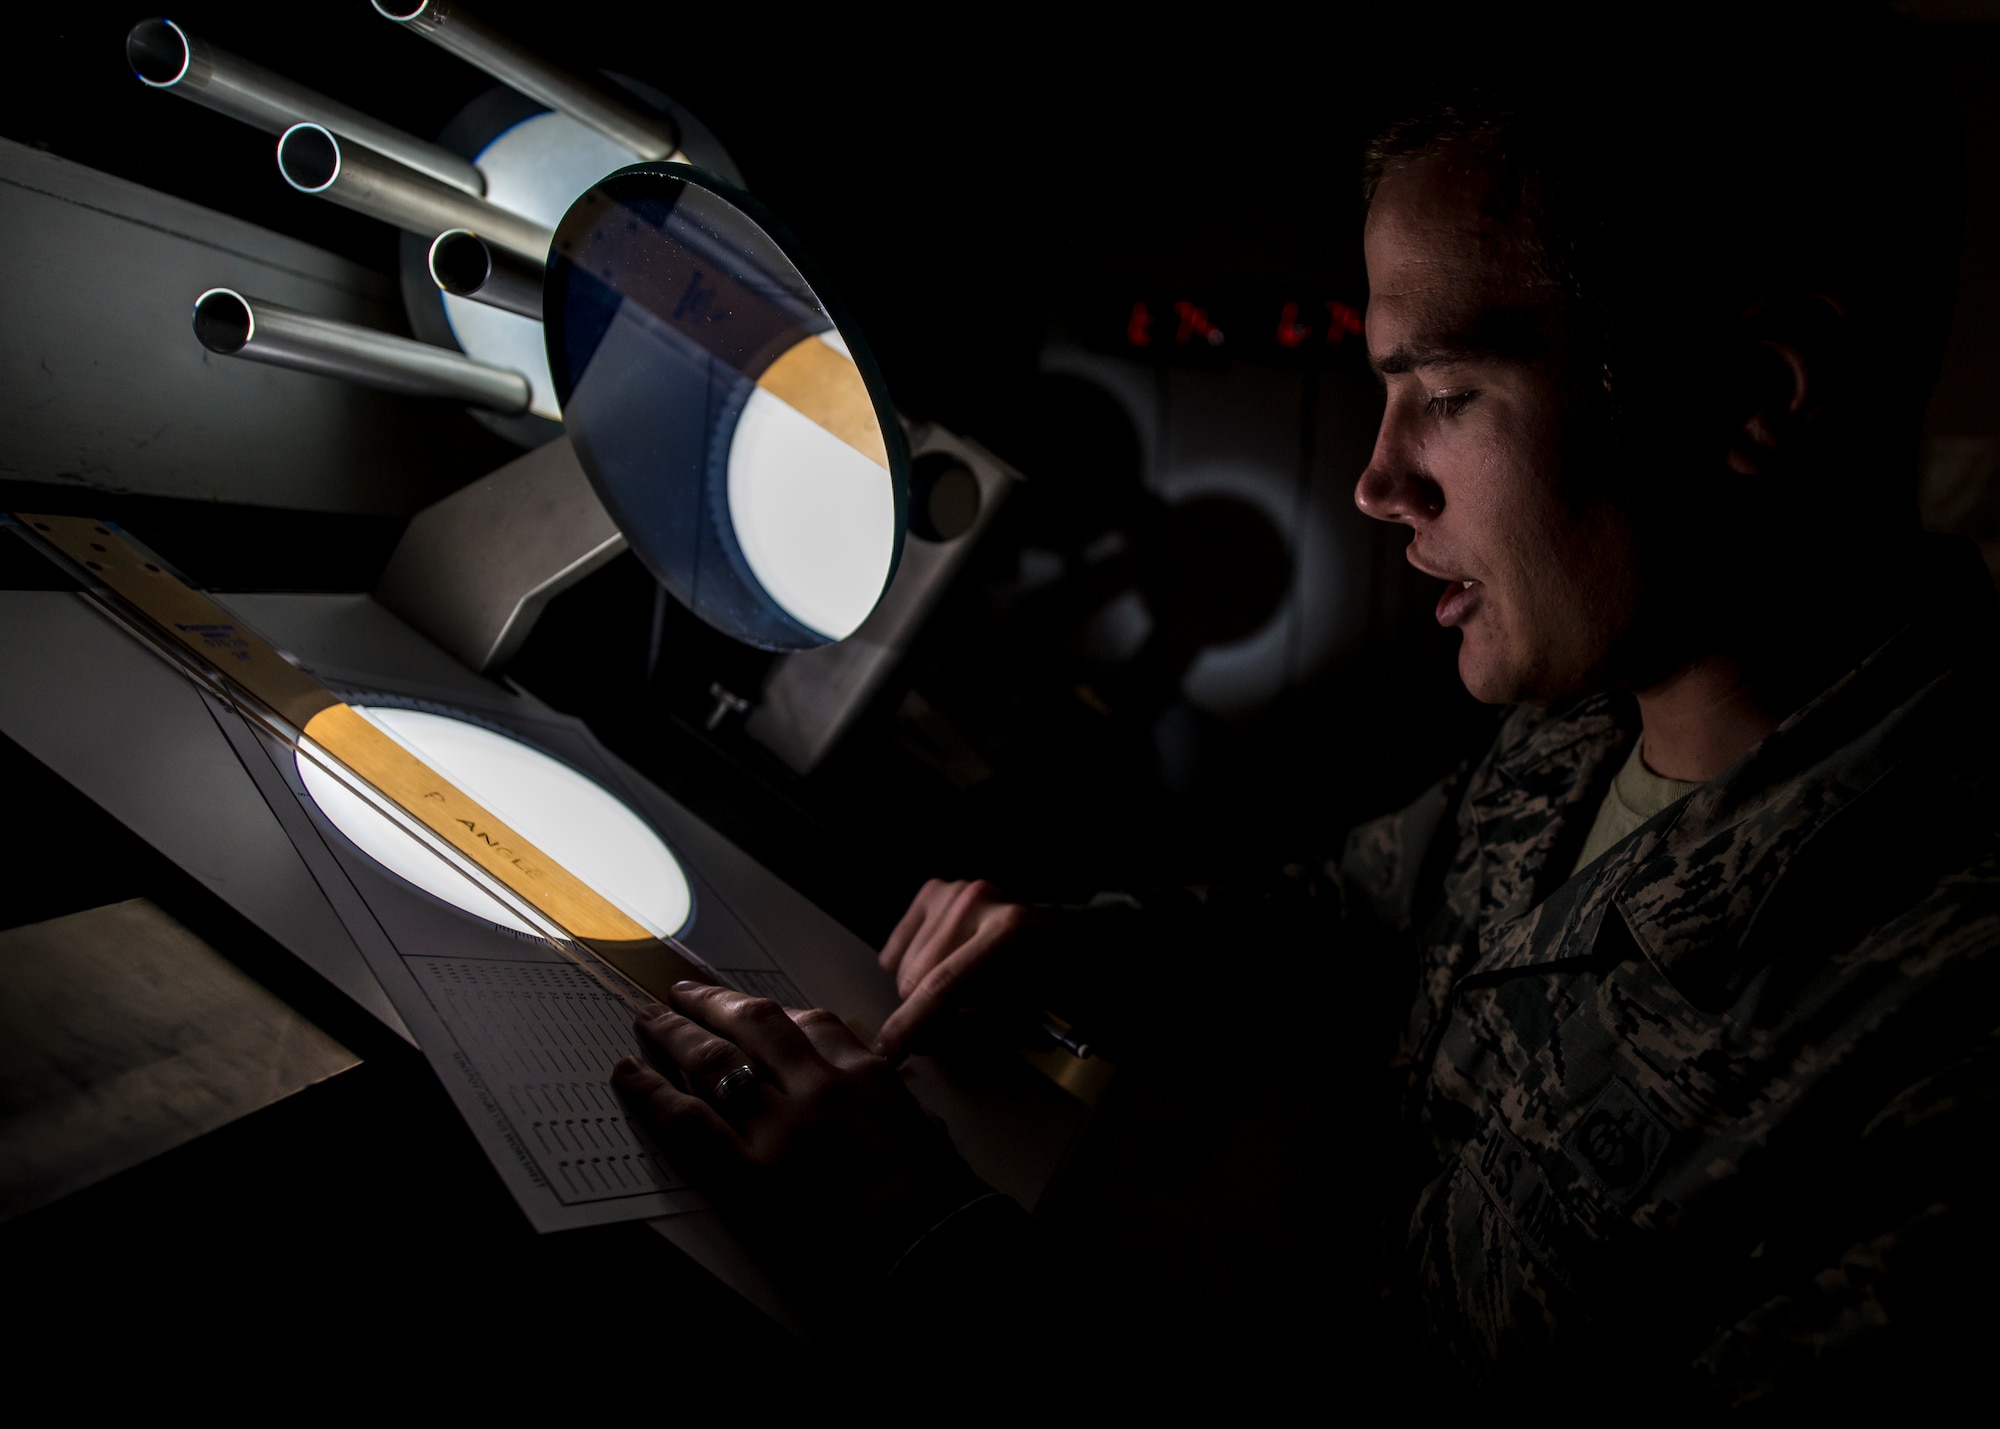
pixel 1794 150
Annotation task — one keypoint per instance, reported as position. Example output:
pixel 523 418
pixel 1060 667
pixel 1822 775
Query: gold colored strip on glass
pixel 219 641
pixel 185 616
pixel 823 385
pixel 457 818
pixel 222 644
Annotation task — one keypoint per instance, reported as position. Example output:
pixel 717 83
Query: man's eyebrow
pixel 1505 335
pixel 1436 354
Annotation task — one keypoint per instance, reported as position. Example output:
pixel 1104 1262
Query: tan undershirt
pixel 1636 794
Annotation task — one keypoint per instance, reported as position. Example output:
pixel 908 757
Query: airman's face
pixel 1490 443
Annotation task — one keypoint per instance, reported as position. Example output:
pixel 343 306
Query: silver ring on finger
pixel 736 1083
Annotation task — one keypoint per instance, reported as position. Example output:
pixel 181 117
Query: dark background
pixel 977 193
pixel 992 191
pixel 986 192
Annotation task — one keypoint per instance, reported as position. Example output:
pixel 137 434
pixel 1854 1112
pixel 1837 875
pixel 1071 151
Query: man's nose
pixel 1394 487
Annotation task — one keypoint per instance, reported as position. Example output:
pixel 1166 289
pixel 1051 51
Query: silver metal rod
pixel 448 26
pixel 466 265
pixel 228 323
pixel 314 161
pixel 165 56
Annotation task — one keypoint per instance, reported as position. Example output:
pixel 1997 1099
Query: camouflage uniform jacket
pixel 1716 1105
pixel 1705 1122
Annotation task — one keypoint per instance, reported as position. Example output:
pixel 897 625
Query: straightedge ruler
pixel 219 652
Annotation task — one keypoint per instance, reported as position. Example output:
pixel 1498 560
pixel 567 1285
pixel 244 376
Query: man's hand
pixel 952 932
pixel 820 1152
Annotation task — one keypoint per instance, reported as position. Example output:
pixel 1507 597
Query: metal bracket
pixel 811 698
pixel 475 571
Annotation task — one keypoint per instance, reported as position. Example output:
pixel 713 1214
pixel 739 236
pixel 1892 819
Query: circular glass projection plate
pixel 737 433
pixel 576 821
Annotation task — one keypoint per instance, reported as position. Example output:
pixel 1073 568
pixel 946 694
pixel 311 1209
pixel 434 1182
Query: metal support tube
pixel 164 56
pixel 228 323
pixel 467 266
pixel 313 161
pixel 448 26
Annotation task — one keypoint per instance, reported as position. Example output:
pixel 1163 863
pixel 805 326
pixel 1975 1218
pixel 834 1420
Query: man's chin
pixel 1485 678
pixel 1492 679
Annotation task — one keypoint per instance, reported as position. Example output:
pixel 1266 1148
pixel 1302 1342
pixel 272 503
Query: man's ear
pixel 1790 352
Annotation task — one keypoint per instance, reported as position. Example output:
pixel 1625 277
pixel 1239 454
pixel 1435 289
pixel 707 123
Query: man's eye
pixel 1448 404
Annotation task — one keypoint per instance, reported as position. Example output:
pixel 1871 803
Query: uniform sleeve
pixel 994 1308
pixel 1886 1298
pixel 1332 925
pixel 994 1298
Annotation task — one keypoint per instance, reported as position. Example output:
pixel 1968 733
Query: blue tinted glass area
pixel 686 347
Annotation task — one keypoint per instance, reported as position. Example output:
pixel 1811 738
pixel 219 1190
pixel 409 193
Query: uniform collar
pixel 1535 800
pixel 1689 886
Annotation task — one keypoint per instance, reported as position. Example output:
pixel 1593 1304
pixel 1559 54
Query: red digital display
pixel 1167 326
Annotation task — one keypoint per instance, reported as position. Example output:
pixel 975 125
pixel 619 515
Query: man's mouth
pixel 1459 600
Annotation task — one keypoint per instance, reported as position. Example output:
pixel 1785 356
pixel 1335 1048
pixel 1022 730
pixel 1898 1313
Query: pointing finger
pixel 941 935
pixel 934 894
pixel 933 995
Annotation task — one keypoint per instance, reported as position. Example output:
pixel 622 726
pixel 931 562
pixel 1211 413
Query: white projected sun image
pixel 816 520
pixel 577 822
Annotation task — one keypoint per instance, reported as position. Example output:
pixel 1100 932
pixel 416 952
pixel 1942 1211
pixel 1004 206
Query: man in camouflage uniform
pixel 1694 969
pixel 1720 1099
